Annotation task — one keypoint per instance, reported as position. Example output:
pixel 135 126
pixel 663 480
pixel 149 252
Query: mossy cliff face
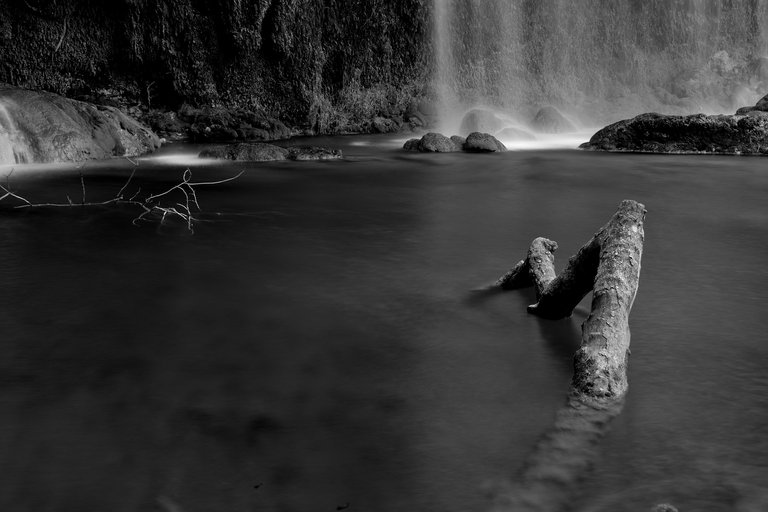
pixel 316 64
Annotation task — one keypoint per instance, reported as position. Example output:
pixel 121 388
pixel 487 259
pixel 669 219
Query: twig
pixel 63 34
pixel 82 186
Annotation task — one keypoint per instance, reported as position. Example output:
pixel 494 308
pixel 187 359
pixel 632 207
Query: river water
pixel 315 343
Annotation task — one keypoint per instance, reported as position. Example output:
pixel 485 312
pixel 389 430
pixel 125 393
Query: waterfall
pixel 14 148
pixel 597 61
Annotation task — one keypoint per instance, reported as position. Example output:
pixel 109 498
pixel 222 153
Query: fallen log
pixel 609 266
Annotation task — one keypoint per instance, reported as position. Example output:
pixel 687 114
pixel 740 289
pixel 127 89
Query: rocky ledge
pixel 263 152
pixel 42 127
pixel 476 142
pixel 745 134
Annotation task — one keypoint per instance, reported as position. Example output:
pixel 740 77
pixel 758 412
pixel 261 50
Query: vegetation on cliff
pixel 324 66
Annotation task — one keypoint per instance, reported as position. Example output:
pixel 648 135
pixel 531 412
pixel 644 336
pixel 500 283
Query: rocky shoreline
pixel 742 133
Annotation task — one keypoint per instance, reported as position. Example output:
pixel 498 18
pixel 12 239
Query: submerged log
pixel 608 265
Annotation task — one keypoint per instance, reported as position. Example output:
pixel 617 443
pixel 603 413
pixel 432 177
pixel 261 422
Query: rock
pixel 745 110
pixel 762 104
pixel 247 151
pixel 515 134
pixel 432 143
pixel 313 153
pixel 483 143
pixel 458 141
pixel 481 120
pixel 219 124
pixel 656 133
pixel 550 120
pixel 43 127
pixel 411 145
pixel 664 507
pixel 384 125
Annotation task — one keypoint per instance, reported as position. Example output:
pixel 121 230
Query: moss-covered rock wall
pixel 322 64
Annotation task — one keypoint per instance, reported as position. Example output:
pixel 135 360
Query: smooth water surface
pixel 317 344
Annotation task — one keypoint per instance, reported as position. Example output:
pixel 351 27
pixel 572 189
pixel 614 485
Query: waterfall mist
pixel 597 61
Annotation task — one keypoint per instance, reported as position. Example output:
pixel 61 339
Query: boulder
pixel 549 120
pixel 481 120
pixel 458 141
pixel 384 125
pixel 43 127
pixel 762 104
pixel 483 143
pixel 247 151
pixel 657 133
pixel 411 145
pixel 432 143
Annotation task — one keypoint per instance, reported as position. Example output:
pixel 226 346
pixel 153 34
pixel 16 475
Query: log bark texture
pixel 609 265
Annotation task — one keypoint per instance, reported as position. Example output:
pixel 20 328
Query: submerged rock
pixel 43 127
pixel 481 120
pixel 263 152
pixel 657 133
pixel 549 120
pixel 483 143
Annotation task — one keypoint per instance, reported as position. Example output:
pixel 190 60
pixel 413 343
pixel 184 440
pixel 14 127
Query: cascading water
pixel 596 61
pixel 13 145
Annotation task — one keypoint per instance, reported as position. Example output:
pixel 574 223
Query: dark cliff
pixel 314 64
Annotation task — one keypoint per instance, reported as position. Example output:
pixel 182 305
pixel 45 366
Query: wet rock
pixel 411 145
pixel 481 120
pixel 515 134
pixel 549 120
pixel 252 152
pixel 432 143
pixel 384 125
pixel 657 133
pixel 483 143
pixel 664 507
pixel 760 106
pixel 313 153
pixel 219 124
pixel 38 126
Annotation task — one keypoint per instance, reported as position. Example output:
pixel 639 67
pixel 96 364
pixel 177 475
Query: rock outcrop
pixel 43 127
pixel 657 133
pixel 263 152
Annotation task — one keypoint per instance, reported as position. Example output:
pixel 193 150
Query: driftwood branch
pixel 150 206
